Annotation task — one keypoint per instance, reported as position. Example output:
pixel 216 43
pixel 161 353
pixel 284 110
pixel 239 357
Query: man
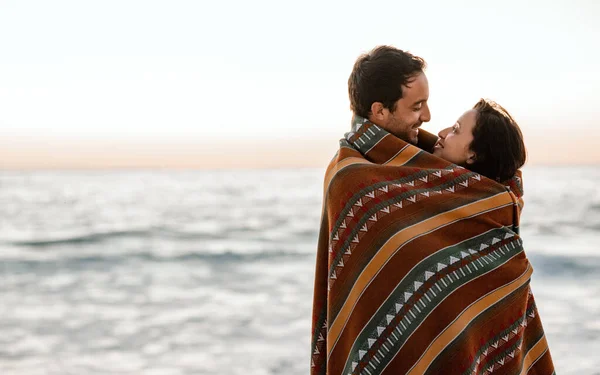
pixel 389 87
pixel 420 268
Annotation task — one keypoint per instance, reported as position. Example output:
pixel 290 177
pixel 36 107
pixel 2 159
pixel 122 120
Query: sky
pixel 264 83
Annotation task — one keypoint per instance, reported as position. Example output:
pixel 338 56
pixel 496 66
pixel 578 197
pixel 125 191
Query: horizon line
pixel 39 154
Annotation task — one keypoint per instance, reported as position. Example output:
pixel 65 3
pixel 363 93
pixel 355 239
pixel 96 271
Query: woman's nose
pixel 442 134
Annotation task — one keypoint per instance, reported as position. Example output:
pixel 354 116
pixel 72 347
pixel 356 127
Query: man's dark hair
pixel 378 76
pixel 497 142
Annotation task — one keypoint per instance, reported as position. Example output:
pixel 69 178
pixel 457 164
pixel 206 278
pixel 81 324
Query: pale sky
pixel 81 79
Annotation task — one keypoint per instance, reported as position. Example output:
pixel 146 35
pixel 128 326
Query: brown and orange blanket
pixel 420 267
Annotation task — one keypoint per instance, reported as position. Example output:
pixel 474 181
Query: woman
pixel 486 140
pixel 420 268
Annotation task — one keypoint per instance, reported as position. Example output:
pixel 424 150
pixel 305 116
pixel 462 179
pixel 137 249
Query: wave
pixel 83 261
pixel 242 233
pixel 226 256
pixel 80 239
pixel 559 226
pixel 557 266
pixel 594 207
pixel 110 235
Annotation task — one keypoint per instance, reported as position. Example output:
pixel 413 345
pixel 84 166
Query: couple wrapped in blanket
pixel 420 267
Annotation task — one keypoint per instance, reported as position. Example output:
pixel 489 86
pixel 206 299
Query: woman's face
pixel 455 141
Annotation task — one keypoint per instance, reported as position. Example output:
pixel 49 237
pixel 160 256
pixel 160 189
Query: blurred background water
pixel 211 272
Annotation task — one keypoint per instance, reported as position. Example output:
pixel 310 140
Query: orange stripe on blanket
pixel 341 165
pixel 393 244
pixel 404 156
pixel 453 330
pixel 534 354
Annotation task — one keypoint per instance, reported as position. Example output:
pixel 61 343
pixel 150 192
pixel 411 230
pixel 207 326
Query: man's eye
pixel 416 109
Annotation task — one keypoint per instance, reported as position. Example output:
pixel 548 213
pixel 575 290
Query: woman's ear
pixel 471 157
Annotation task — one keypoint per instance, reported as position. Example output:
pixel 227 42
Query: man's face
pixel 410 113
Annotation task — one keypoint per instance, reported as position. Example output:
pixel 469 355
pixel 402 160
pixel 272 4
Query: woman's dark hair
pixel 378 76
pixel 497 142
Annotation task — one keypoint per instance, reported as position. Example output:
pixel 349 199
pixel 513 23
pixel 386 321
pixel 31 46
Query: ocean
pixel 211 272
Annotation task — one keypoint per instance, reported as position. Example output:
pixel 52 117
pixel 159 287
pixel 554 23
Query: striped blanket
pixel 420 267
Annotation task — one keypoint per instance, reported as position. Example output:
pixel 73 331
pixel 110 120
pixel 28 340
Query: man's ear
pixel 379 114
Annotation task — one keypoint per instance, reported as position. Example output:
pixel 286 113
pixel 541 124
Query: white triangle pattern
pixel 359 203
pixel 361 353
pixel 508 357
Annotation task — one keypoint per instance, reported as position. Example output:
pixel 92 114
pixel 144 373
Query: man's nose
pixel 425 114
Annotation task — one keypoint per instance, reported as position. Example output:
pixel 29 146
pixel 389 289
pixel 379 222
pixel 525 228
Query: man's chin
pixel 413 137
